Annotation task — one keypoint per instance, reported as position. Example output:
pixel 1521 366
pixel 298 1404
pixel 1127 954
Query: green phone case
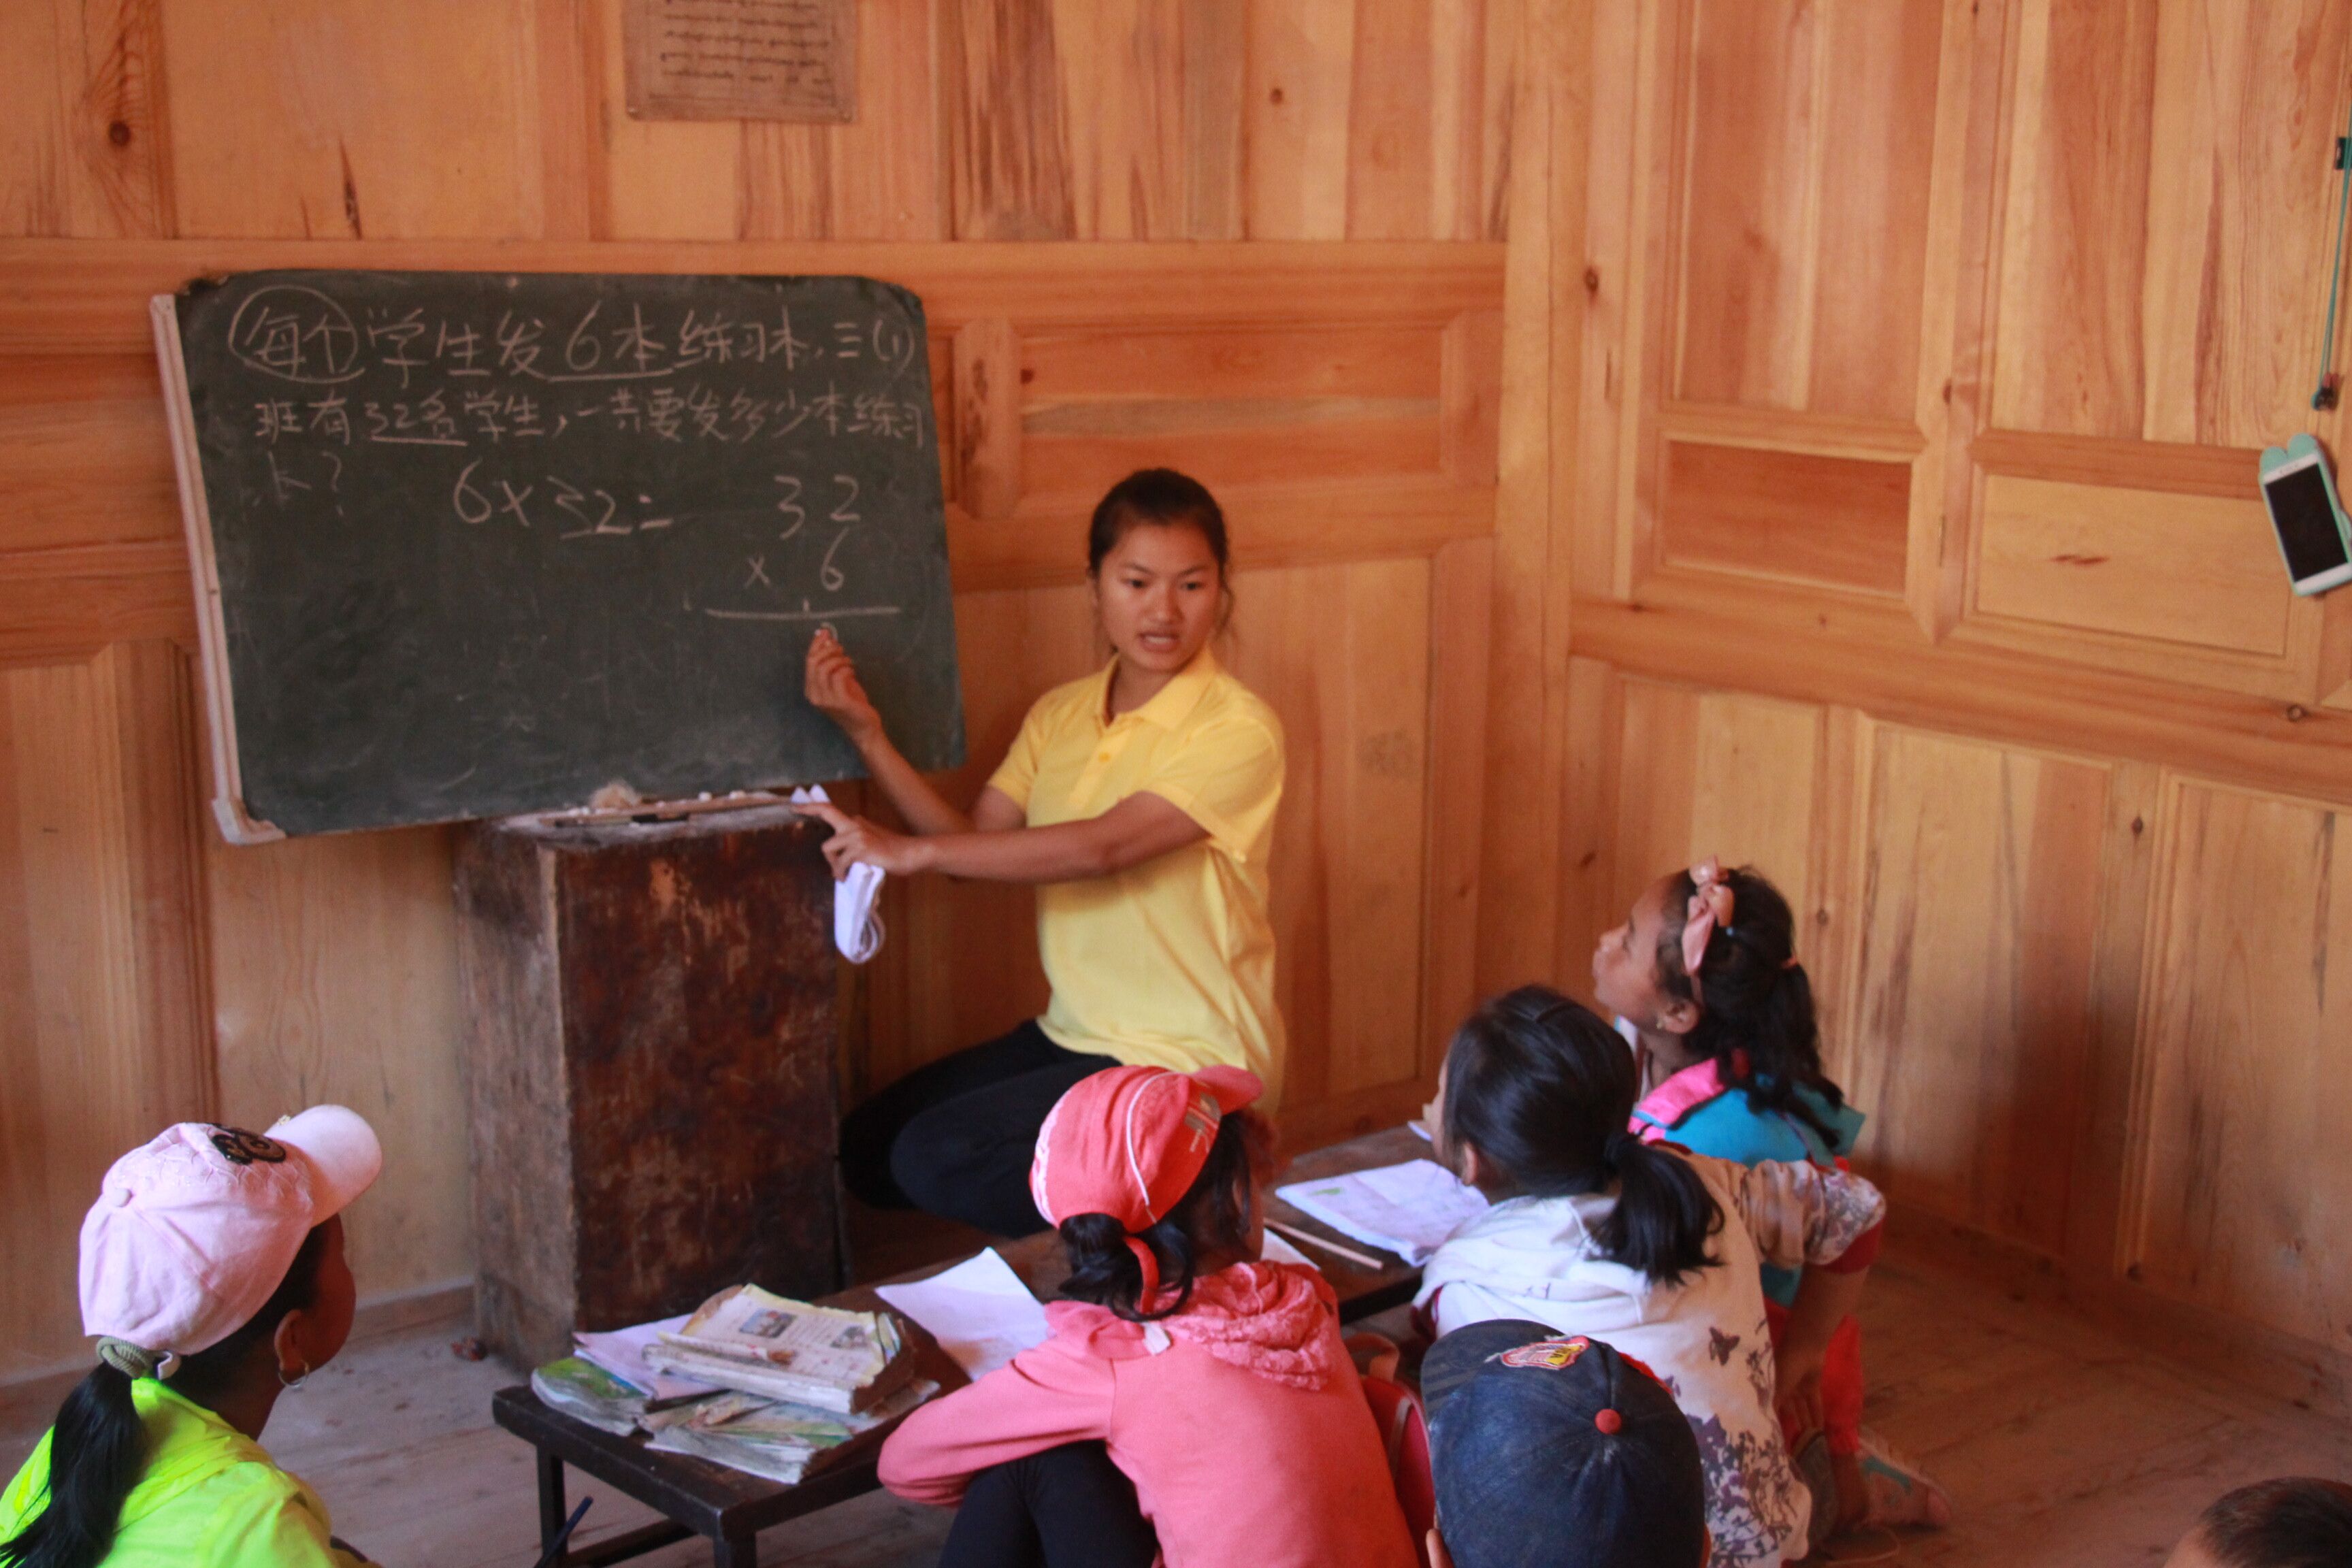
pixel 2276 458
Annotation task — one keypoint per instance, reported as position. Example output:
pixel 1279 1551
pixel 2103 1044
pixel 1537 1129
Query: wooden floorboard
pixel 2061 1445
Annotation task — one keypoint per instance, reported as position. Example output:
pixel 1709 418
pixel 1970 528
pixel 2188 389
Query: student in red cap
pixel 1192 1401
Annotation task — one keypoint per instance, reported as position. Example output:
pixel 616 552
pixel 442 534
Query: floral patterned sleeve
pixel 1799 1212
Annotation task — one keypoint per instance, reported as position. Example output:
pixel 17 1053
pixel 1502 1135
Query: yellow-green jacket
pixel 210 1497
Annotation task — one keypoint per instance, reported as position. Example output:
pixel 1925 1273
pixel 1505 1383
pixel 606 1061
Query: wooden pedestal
pixel 650 1069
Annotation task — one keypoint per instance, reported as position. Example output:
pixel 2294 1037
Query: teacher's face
pixel 1157 593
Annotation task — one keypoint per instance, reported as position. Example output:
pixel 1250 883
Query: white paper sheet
pixel 978 1311
pixel 1278 1250
pixel 622 1352
pixel 1409 1209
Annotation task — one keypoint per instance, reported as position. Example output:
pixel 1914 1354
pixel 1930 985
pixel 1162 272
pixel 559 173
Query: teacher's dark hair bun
pixel 1161 498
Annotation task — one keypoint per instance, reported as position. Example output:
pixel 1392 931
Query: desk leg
pixel 550 1498
pixel 736 1551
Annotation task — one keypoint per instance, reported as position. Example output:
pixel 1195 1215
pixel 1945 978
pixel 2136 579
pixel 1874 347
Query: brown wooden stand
pixel 650 1069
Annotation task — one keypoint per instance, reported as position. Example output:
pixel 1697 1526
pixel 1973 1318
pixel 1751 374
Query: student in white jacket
pixel 1647 1246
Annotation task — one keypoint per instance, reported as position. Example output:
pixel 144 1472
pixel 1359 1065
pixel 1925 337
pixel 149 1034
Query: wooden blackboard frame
pixel 236 825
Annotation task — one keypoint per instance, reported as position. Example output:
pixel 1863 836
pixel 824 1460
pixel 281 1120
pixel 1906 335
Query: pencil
pixel 1361 1259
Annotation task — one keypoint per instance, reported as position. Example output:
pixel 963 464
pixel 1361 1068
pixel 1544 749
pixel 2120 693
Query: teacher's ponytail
pixel 1543 1091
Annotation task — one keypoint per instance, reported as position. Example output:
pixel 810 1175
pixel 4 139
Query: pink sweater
pixel 1240 1420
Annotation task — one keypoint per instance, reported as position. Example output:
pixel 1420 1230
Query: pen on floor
pixel 554 1552
pixel 1359 1259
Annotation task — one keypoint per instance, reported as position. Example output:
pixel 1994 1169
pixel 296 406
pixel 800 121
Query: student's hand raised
pixel 829 680
pixel 856 841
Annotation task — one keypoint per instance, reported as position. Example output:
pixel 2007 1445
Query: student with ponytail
pixel 1705 981
pixel 1594 1231
pixel 1194 1406
pixel 213 1275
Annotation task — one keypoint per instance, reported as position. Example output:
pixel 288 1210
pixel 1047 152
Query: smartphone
pixel 2302 500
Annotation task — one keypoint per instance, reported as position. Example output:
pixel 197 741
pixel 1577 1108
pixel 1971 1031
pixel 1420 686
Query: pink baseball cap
pixel 1130 1142
pixel 193 1233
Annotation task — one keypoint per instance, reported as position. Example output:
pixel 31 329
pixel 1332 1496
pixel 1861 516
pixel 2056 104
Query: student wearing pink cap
pixel 213 1275
pixel 1193 1402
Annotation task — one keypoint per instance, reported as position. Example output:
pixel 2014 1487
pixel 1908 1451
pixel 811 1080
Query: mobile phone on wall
pixel 2306 515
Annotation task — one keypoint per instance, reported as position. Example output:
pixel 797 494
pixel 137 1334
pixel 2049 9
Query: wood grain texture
pixel 1832 521
pixel 105 1032
pixel 348 120
pixel 1974 1034
pixel 2167 568
pixel 88 155
pixel 1322 647
pixel 2242 1111
pixel 334 980
pixel 986 459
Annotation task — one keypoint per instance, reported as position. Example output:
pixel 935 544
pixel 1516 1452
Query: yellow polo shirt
pixel 1171 962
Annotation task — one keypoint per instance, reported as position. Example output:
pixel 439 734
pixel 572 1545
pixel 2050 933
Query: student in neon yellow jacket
pixel 213 1275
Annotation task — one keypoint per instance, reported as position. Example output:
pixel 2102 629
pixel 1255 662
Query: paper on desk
pixel 1278 1250
pixel 622 1352
pixel 1409 1209
pixel 978 1311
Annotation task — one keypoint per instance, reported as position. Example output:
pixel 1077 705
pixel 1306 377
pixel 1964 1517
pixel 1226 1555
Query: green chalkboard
pixel 483 542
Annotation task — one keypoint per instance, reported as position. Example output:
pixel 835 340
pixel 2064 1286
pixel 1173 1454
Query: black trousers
pixel 956 1138
pixel 1066 1508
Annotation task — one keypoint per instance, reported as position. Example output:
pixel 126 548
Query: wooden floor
pixel 2060 1446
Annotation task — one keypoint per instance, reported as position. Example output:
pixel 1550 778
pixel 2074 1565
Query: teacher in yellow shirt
pixel 1141 801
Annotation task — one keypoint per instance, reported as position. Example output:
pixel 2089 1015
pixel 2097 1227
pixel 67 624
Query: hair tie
pixel 1149 1262
pixel 1710 906
pixel 1614 1148
pixel 135 1362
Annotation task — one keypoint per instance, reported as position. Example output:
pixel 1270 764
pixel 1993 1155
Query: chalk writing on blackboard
pixel 553 530
pixel 754 59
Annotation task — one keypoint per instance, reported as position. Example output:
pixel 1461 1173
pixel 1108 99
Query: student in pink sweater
pixel 1192 1400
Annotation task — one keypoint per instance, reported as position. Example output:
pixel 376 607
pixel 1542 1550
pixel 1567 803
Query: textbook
pixel 1408 1208
pixel 780 1441
pixel 749 1340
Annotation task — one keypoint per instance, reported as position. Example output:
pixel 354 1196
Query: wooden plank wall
pixel 1898 533
pixel 1330 364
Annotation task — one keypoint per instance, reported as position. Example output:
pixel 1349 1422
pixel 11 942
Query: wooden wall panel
pixel 88 155
pixel 1836 522
pixel 1341 653
pixel 2168 220
pixel 1973 1031
pixel 2141 564
pixel 2238 1175
pixel 347 119
pixel 1807 156
pixel 335 980
pixel 104 1031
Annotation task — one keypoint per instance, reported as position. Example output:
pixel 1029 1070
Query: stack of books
pixel 753 1342
pixel 757 1382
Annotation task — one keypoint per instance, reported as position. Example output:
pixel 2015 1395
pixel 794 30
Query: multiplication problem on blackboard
pixel 617 489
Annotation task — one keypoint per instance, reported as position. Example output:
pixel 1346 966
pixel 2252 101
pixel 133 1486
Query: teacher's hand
pixel 856 841
pixel 831 684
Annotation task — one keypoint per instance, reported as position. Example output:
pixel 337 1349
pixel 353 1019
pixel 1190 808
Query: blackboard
pixel 471 545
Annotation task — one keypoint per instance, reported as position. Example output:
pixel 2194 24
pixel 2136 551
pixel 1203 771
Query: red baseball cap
pixel 1130 1142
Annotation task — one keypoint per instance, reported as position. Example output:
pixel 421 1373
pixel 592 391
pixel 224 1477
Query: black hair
pixel 2294 1521
pixel 1756 1003
pixel 98 1447
pixel 1161 498
pixel 1543 1090
pixel 1212 1215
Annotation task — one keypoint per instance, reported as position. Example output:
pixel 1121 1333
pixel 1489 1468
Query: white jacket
pixel 1705 1338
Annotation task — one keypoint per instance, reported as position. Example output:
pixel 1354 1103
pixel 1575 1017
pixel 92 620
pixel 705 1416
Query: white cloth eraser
pixel 857 923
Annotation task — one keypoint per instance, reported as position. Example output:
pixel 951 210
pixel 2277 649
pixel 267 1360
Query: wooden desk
pixel 729 1509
